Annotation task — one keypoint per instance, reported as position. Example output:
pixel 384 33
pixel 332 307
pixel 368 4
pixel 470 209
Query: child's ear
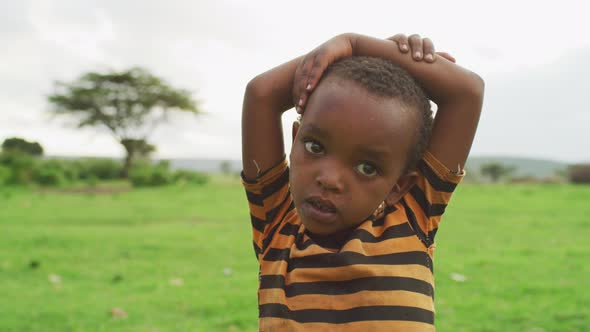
pixel 403 185
pixel 296 125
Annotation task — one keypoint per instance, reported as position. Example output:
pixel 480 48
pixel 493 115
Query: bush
pixel 49 176
pixel 20 166
pixel 144 174
pixel 54 172
pixel 579 173
pixel 18 144
pixel 184 176
pixel 150 176
pixel 5 174
pixel 99 168
pixel 68 168
pixel 92 181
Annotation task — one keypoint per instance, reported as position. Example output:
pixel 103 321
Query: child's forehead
pixel 347 86
pixel 353 101
pixel 358 125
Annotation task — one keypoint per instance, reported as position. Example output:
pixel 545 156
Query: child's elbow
pixel 475 86
pixel 256 88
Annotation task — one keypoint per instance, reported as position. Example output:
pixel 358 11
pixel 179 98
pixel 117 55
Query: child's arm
pixel 457 92
pixel 267 96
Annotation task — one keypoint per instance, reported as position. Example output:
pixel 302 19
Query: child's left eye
pixel 366 169
pixel 313 147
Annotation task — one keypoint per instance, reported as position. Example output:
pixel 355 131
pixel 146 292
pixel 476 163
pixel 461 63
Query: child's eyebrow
pixel 315 130
pixel 380 154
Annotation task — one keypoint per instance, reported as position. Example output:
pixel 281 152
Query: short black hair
pixel 385 79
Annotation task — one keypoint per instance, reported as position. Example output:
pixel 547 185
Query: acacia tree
pixel 128 104
pixel 496 170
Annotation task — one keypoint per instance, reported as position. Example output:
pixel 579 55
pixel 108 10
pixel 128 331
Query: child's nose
pixel 331 180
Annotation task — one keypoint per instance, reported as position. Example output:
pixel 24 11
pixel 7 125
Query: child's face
pixel 348 156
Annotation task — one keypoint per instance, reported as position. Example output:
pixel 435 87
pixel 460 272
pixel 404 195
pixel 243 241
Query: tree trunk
pixel 130 151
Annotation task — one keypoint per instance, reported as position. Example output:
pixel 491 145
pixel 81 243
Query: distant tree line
pixel 496 172
pixel 21 163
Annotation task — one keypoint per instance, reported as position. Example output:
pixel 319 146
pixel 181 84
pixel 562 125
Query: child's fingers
pixel 300 76
pixel 416 46
pixel 308 73
pixel 402 42
pixel 447 56
pixel 428 48
pixel 316 66
pixel 317 69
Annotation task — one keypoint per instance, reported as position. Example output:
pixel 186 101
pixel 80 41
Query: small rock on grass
pixel 458 277
pixel 176 282
pixel 118 313
pixel 54 279
pixel 227 271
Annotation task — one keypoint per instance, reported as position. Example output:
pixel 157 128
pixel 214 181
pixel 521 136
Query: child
pixel 344 237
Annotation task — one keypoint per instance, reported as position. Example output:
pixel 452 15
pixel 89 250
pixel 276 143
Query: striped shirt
pixel 381 279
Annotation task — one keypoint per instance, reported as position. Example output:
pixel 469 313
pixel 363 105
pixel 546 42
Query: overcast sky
pixel 534 57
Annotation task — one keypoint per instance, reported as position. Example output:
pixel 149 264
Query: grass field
pixel 509 258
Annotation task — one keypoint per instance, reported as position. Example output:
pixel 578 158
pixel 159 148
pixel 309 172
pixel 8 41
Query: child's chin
pixel 318 229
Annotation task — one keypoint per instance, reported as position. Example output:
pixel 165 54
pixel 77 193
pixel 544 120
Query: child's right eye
pixel 313 147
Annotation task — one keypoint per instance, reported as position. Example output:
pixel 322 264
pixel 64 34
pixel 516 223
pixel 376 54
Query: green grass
pixel 522 249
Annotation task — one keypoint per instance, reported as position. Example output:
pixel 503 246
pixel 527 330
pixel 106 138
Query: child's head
pixel 365 126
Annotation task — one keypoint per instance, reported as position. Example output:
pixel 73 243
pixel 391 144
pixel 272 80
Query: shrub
pixel 68 168
pixel 184 176
pixel 150 176
pixel 48 176
pixel 579 173
pixel 5 174
pixel 140 176
pixel 160 176
pixel 20 165
pixel 99 168
pixel 92 181
pixel 18 144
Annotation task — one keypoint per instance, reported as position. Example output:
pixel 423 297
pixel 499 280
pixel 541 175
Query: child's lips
pixel 320 209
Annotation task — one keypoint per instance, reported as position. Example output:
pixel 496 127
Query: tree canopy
pixel 130 104
pixel 21 145
pixel 495 171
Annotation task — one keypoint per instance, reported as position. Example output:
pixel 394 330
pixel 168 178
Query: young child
pixel 345 235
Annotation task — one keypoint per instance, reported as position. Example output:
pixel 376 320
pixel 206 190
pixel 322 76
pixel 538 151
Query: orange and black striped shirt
pixel 381 279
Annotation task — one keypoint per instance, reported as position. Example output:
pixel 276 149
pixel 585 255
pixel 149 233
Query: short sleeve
pixel 426 202
pixel 269 200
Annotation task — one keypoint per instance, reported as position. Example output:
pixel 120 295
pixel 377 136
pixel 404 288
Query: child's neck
pixel 331 241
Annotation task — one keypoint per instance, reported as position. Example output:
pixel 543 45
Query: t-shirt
pixel 380 279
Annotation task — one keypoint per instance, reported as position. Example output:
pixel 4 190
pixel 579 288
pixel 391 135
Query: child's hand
pixel 311 67
pixel 421 48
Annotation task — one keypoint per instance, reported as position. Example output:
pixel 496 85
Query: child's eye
pixel 313 147
pixel 366 169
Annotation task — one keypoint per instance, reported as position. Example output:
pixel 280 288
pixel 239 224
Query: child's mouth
pixel 320 210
